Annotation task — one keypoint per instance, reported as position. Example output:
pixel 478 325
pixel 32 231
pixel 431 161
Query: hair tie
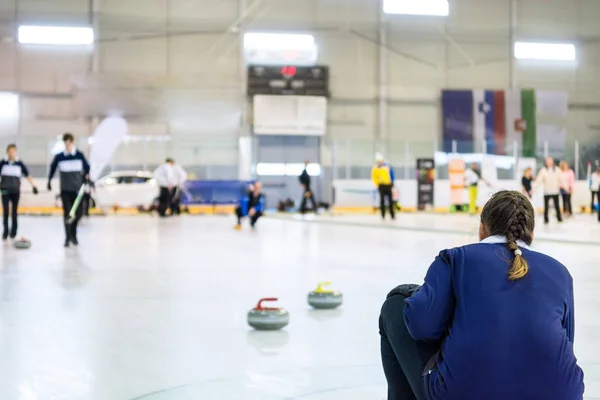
pixel 518 252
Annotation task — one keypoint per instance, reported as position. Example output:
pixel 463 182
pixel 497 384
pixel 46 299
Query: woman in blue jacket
pixel 493 320
pixel 251 206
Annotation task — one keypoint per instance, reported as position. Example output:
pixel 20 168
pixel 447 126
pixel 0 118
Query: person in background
pixel 251 206
pixel 170 178
pixel 526 182
pixel 74 171
pixel 567 190
pixel 382 176
pixel 472 178
pixel 304 179
pixel 11 171
pixel 595 188
pixel 551 179
pixel 493 321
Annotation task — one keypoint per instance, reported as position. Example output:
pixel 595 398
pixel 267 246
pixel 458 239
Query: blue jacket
pixel 252 201
pixel 502 339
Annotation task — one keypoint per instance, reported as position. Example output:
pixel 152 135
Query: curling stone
pixel 322 299
pixel 268 318
pixel 22 244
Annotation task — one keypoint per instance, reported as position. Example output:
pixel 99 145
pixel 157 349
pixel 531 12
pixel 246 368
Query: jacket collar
pixel 15 160
pixel 72 152
pixel 501 239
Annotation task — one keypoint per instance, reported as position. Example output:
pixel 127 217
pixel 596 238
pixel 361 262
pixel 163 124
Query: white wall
pixel 359 193
pixel 174 68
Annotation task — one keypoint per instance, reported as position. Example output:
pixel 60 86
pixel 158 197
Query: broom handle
pixel 77 202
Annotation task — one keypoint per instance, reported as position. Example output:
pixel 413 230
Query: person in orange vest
pixel 382 176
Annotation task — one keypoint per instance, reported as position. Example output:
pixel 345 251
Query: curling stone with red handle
pixel 322 299
pixel 22 243
pixel 268 318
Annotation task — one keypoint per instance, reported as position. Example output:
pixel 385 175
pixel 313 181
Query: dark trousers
pixel 385 192
pixel 307 195
pixel 595 195
pixel 175 204
pixel 556 202
pixel 164 200
pixel 85 204
pixel 567 207
pixel 68 199
pixel 253 218
pixel 8 200
pixel 404 359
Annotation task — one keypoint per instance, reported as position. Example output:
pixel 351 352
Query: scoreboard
pixel 288 80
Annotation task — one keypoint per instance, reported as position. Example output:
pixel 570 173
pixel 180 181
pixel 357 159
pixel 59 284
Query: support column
pixel 382 84
pixel 95 61
pixel 512 26
pixel 244 104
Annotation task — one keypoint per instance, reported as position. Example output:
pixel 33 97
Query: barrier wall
pixel 195 193
pixel 360 193
pixel 213 192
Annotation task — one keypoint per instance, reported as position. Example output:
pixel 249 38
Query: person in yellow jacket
pixel 382 176
pixel 472 178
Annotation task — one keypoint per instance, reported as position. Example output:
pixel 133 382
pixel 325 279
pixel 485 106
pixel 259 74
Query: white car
pixel 125 189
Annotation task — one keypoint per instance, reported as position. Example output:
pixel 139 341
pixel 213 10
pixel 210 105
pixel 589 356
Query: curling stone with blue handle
pixel 322 299
pixel 268 318
pixel 22 244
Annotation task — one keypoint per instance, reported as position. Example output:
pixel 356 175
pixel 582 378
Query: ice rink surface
pixel 156 310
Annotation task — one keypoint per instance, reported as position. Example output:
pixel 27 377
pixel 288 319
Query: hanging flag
pixel 496 137
pixel 497 121
pixel 552 109
pixel 515 125
pixel 457 120
pixel 528 112
pixel 475 120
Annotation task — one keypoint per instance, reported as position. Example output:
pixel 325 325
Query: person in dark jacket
pixel 74 172
pixel 493 320
pixel 307 194
pixel 251 206
pixel 11 171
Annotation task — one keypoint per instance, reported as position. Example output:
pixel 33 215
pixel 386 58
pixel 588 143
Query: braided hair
pixel 510 214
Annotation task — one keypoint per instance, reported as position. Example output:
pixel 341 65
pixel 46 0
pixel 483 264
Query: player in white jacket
pixel 170 177
pixel 551 179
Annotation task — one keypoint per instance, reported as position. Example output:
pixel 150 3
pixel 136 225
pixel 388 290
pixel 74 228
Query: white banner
pixel 107 137
pixel 290 115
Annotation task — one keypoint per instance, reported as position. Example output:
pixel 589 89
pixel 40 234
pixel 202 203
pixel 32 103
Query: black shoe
pixel 74 241
pixel 4 236
pixel 67 243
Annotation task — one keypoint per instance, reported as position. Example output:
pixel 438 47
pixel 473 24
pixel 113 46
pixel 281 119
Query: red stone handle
pixel 259 306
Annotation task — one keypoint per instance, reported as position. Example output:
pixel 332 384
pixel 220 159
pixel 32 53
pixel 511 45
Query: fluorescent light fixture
pixel 9 105
pixel 280 49
pixel 292 169
pixel 296 169
pixel 56 35
pixel 270 169
pixel 545 51
pixel 278 41
pixel 439 8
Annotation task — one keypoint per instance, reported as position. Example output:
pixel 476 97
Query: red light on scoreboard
pixel 288 71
